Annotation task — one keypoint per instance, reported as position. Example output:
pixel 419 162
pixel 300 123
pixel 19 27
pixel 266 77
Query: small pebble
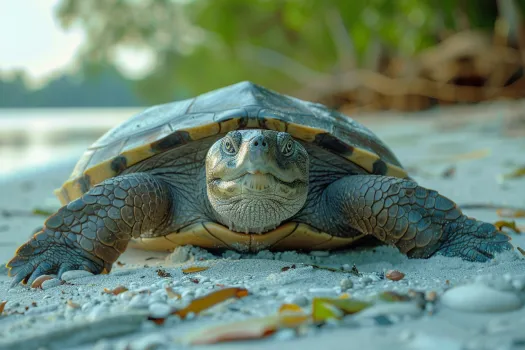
pixel 74 274
pixel 37 283
pixel 54 282
pixel 394 275
pixel 478 297
pixel 138 302
pixel 300 300
pixel 346 283
pixel 159 310
pixel 127 295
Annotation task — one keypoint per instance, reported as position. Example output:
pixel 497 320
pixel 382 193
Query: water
pixel 34 137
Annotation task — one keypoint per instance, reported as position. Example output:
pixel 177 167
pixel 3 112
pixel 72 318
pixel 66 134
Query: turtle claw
pixel 40 256
pixel 475 241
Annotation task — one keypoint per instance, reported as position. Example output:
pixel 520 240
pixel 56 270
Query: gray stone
pixel 479 297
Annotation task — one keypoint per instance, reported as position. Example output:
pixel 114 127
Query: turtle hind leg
pixel 419 221
pixel 92 231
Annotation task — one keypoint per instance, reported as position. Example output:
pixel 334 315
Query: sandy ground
pixel 479 144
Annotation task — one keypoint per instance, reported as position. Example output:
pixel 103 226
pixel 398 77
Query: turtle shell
pixel 239 106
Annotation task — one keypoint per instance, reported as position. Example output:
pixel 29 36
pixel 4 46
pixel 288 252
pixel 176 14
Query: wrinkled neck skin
pixel 256 179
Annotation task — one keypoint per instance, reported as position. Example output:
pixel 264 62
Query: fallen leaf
pixel 119 263
pixel 257 328
pixel 194 269
pixel 477 154
pixel 42 212
pixel 508 224
pixel 254 328
pixel 172 294
pixel 325 308
pixel 212 299
pixel 163 273
pixel 521 250
pixel 2 306
pixel 520 172
pixel 37 283
pixel 394 275
pixel 72 304
pixel 293 319
pixel 290 308
pixel 323 311
pixel 345 296
pixel 511 213
pixel 116 291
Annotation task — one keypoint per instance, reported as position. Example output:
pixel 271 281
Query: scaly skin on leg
pixel 92 231
pixel 419 221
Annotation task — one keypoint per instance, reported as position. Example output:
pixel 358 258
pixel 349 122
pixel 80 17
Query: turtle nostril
pixel 256 143
pixel 264 144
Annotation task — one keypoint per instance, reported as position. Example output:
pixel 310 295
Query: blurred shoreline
pixel 34 137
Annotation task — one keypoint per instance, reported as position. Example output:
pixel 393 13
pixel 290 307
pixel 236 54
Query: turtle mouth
pixel 256 182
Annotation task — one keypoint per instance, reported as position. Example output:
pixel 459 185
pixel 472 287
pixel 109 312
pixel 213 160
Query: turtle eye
pixel 228 145
pixel 288 147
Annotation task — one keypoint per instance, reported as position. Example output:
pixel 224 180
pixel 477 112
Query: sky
pixel 33 40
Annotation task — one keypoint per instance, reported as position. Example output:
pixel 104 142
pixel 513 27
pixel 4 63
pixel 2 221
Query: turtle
pixel 248 169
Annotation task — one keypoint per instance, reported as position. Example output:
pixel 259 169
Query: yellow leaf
pixel 290 308
pixel 72 304
pixel 323 310
pixel 194 269
pixel 326 308
pixel 116 290
pixel 509 224
pixel 256 328
pixel 293 320
pixel 212 299
pixel 2 306
pixel 345 296
pixel 520 172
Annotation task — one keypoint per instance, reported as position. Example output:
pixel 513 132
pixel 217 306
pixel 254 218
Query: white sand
pixel 417 144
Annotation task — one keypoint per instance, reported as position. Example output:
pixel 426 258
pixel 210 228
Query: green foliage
pixel 200 45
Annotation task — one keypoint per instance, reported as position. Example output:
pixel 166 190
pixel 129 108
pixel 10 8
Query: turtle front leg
pixel 419 221
pixel 92 231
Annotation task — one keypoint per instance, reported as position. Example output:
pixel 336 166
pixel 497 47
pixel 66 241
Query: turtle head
pixel 256 179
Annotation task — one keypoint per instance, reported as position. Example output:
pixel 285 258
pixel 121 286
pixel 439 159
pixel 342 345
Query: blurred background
pixel 72 69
